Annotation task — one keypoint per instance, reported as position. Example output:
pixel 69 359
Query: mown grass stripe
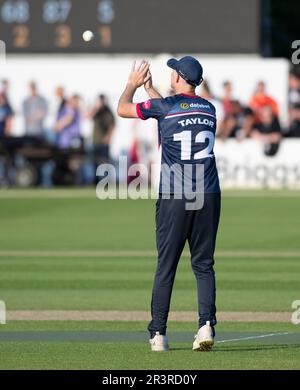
pixel 126 315
pixel 146 253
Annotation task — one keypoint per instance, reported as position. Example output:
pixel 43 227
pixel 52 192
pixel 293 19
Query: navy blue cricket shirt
pixel 187 129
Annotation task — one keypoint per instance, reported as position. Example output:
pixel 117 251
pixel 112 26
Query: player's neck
pixel 186 91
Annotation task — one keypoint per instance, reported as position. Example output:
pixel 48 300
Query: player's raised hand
pixel 148 84
pixel 151 91
pixel 139 74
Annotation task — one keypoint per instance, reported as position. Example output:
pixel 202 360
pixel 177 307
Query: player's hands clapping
pixel 148 84
pixel 139 74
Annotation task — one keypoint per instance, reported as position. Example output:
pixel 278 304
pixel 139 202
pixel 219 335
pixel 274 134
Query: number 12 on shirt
pixel 185 137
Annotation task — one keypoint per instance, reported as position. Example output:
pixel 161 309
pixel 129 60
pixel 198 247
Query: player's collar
pixel 189 96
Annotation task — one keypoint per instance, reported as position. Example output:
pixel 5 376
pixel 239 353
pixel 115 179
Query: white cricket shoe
pixel 159 343
pixel 204 339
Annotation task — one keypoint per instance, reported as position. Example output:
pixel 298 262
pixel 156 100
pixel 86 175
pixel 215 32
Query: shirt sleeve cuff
pixel 138 111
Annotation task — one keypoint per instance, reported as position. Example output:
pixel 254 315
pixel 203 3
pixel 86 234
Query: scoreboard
pixel 130 26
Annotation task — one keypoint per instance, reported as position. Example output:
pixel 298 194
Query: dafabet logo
pixel 184 106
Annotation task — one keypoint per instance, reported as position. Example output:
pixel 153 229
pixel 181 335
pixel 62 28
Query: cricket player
pixel 187 127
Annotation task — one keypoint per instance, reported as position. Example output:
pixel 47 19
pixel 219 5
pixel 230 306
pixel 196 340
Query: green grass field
pixel 107 345
pixel 67 250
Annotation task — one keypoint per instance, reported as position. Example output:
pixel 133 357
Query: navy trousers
pixel 174 226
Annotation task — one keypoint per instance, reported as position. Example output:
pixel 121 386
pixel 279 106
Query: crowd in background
pixel 258 119
pixel 66 134
pixel 67 124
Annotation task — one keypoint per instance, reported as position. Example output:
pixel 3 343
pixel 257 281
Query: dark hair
pixel 295 71
pixel 296 106
pixel 226 83
pixel 248 111
pixel 103 98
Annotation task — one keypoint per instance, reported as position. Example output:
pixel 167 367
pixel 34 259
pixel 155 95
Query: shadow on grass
pixel 244 348
pixel 264 347
pixel 181 349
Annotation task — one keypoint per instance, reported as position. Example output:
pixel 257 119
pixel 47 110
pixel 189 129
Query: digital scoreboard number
pixel 130 26
pixel 56 25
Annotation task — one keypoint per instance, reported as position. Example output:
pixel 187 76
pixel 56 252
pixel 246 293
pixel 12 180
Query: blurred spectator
pixel 294 130
pixel 247 125
pixel 4 89
pixel 68 125
pixel 60 94
pixel 206 94
pixel 268 131
pixel 6 114
pixel 227 99
pixel 232 121
pixel 104 124
pixel 35 112
pixel 260 99
pixel 294 88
